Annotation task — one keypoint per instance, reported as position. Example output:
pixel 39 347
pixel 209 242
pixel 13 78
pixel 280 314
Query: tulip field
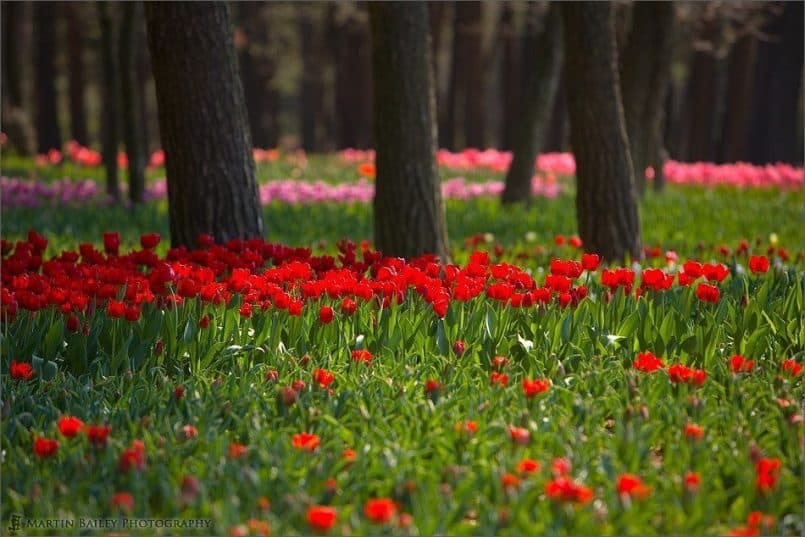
pixel 305 384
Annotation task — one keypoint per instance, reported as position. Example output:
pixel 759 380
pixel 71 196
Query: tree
pixel 202 120
pixel 645 74
pixel 312 94
pixel 75 61
pixel 110 89
pixel 544 61
pixel 606 204
pixel 15 18
pixel 47 118
pixel 133 129
pixel 408 209
pixel 353 78
pixel 773 135
pixel 256 69
pixel 466 78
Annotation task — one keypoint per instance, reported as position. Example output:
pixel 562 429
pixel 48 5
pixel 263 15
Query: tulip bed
pixel 525 389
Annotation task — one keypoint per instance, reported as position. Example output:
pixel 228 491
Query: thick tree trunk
pixel 130 100
pixel 544 63
pixel 47 117
pixel 645 73
pixel 75 64
pixel 408 208
pixel 606 201
pixel 110 121
pixel 353 81
pixel 773 135
pixel 202 118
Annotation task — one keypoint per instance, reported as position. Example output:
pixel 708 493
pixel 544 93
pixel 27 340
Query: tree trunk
pixel 144 91
pixel 312 106
pixel 353 82
pixel 556 137
pixel 512 82
pixel 645 73
pixel 130 100
pixel 202 118
pixel 471 47
pixel 75 61
pixel 15 53
pixel 739 99
pixel 110 122
pixel 408 208
pixel 544 61
pixel 606 201
pixel 442 28
pixel 47 117
pixel 256 69
pixel 773 136
pixel 702 98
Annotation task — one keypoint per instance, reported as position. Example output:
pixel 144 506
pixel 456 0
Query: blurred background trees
pixel 734 74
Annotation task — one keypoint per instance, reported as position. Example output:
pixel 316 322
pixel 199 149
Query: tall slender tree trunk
pixel 312 105
pixel 512 77
pixel 408 208
pixel 471 54
pixel 442 28
pixel 130 100
pixel 702 98
pixel 202 118
pixel 645 74
pixel 110 121
pixel 773 135
pixel 606 201
pixel 17 125
pixel 75 64
pixel 256 69
pixel 742 61
pixel 144 91
pixel 353 81
pixel 544 54
pixel 47 116
pixel 556 138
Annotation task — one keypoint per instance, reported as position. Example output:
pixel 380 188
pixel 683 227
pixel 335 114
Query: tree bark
pixel 739 99
pixel 130 100
pixel 312 106
pixel 16 47
pixel 47 116
pixel 544 63
pixel 110 120
pixel 645 74
pixel 512 79
pixel 606 201
pixel 202 118
pixel 471 47
pixel 75 61
pixel 408 209
pixel 773 135
pixel 702 99
pixel 353 81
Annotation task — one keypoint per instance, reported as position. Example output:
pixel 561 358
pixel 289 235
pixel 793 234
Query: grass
pixel 600 413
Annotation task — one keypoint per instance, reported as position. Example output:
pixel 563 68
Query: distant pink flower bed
pixel 27 193
pixel 739 174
